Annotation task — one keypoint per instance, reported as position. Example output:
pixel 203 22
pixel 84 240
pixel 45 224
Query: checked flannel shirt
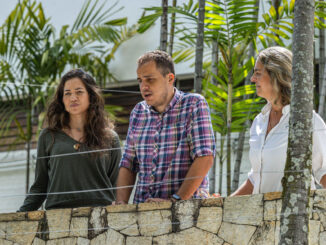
pixel 161 147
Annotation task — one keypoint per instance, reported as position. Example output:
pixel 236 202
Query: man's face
pixel 156 89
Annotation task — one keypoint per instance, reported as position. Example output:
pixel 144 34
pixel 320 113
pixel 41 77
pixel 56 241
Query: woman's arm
pixel 245 189
pixel 115 160
pixel 33 202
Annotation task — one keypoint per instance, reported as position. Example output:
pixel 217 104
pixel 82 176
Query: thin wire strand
pixel 100 189
pixel 125 187
pixel 40 85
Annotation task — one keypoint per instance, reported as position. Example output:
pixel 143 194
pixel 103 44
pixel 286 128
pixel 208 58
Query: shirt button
pixel 152 177
pixel 154 169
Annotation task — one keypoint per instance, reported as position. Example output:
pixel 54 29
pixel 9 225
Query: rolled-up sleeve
pixel 129 159
pixel 202 141
pixel 319 148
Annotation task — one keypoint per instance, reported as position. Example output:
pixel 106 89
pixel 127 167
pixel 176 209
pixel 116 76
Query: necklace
pixel 76 146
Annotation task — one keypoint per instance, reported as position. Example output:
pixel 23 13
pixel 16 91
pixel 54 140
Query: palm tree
pixel 199 47
pixel 33 59
pixel 164 26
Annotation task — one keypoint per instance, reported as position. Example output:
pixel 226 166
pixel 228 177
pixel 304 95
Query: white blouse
pixel 268 155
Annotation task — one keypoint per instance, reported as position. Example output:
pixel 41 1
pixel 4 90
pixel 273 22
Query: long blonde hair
pixel 278 63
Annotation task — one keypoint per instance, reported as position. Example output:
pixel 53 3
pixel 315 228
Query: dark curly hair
pixel 98 127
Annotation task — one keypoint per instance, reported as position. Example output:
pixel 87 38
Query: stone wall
pixel 232 220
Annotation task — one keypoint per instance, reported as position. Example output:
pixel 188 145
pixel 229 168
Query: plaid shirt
pixel 162 147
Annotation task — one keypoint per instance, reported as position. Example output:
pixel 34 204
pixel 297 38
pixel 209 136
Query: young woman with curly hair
pixel 77 123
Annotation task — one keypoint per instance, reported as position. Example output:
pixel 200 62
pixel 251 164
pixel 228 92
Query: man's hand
pixel 118 203
pixel 156 200
pixel 195 176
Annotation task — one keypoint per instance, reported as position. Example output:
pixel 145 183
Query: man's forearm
pixel 195 176
pixel 125 178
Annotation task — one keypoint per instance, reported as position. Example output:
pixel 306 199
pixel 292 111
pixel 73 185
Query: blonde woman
pixel 269 131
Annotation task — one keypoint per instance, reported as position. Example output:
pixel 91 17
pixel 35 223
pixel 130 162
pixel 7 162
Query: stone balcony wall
pixel 233 220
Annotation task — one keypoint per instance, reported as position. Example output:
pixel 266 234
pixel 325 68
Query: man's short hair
pixel 162 60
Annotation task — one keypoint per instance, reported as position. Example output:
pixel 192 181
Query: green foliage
pixel 33 57
pixel 245 105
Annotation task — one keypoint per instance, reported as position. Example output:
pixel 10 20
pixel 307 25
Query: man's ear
pixel 171 78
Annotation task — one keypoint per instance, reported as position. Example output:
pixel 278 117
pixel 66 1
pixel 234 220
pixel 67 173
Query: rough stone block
pixel 79 227
pixel 5 242
pixel 192 236
pixel 81 212
pixel 322 238
pixel 272 196
pixel 315 215
pixel 154 223
pixel 120 221
pixel 3 229
pixel 82 241
pixel 154 206
pixel 320 199
pixel 58 222
pixel 269 210
pixel 236 234
pixel 35 215
pixel 314 229
pixel 278 209
pixel 110 237
pixel 186 213
pixel 247 210
pixel 63 241
pixel 322 217
pixel 131 230
pixel 264 234
pixel 20 216
pixel 38 241
pixel 212 202
pixel 139 241
pixel 22 232
pixel 97 221
pixel 277 232
pixel 121 208
pixel 210 218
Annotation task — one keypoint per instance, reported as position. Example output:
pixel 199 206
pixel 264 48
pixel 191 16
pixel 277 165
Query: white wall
pixel 13 179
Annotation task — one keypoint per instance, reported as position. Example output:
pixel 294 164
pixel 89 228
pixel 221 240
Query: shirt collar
pixel 177 96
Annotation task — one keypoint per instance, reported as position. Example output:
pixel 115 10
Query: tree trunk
pixel 214 65
pixel 164 26
pixel 221 159
pixel 199 47
pixel 297 172
pixel 228 126
pixel 28 151
pixel 237 164
pixel 322 67
pixel 29 134
pixel 214 68
pixel 239 153
pixel 174 4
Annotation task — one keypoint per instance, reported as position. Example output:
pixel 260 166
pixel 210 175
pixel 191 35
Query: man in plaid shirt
pixel 170 141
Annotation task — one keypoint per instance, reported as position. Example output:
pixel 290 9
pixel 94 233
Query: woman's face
pixel 75 97
pixel 262 79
